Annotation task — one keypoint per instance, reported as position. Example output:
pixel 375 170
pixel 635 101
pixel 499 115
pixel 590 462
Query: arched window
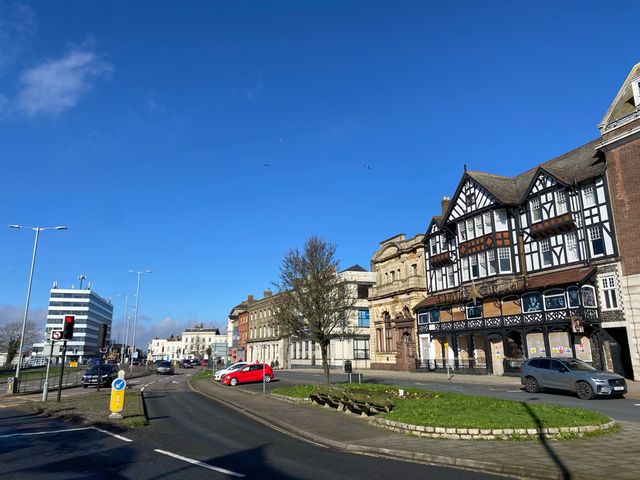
pixel 434 315
pixel 589 297
pixel 555 299
pixel 574 297
pixel 474 309
pixel 531 302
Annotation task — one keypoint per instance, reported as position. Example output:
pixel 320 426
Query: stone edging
pixel 487 434
pixel 287 399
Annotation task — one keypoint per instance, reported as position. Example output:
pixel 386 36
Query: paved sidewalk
pixel 615 456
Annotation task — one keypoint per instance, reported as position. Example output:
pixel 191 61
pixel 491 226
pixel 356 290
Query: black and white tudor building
pixel 523 266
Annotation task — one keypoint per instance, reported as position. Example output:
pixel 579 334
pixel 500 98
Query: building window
pixel 610 293
pixel 363 291
pixel 482 262
pixel 361 349
pixel 493 264
pixel 439 275
pixel 504 256
pixel 434 315
pixel 450 277
pixel 462 231
pixel 393 276
pixel 545 252
pixel 434 246
pixel 589 195
pixel 474 309
pixel 465 269
pixel 414 269
pixel 555 299
pixel 423 318
pixel 487 222
pixel 474 266
pixel 589 297
pixel 444 245
pixel 471 199
pixel 597 243
pixel 561 202
pixel 478 222
pixel 574 298
pixel 501 220
pixel 363 318
pixel 470 233
pixel 536 210
pixel 531 303
pixel 571 241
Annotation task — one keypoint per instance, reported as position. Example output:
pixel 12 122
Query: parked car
pixel 570 374
pixel 164 368
pixel 102 374
pixel 249 373
pixel 234 366
pixel 204 363
pixel 186 364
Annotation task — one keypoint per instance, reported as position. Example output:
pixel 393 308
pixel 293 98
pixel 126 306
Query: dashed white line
pixel 636 404
pixel 79 429
pixel 199 463
pixel 514 391
pixel 119 437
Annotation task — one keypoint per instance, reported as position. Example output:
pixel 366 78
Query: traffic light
pixel 102 336
pixel 67 327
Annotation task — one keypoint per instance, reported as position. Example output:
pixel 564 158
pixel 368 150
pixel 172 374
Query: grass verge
pixel 203 374
pixel 93 408
pixel 438 409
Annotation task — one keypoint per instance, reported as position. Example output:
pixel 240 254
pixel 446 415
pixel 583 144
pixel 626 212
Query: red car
pixel 250 373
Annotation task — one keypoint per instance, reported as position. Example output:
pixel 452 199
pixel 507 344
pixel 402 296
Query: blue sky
pixel 203 140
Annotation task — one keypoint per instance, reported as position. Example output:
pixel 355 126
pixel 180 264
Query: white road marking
pixel 79 429
pixel 199 463
pixel 636 404
pixel 514 391
pixel 175 382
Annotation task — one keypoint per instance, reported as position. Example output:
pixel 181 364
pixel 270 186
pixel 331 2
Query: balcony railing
pixel 590 315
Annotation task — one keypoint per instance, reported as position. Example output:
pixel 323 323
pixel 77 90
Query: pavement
pixel 614 455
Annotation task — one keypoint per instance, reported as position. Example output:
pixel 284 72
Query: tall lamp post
pixel 135 317
pixel 26 307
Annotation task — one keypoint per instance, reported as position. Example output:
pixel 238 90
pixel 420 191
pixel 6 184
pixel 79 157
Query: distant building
pixel 93 316
pixel 197 342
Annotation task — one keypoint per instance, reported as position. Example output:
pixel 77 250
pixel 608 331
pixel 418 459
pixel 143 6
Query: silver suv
pixel 570 374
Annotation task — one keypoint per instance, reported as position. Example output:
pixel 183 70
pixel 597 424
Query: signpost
pixel 118 387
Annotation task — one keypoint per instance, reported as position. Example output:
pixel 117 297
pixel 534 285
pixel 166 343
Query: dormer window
pixel 635 86
pixel 536 210
pixel 561 202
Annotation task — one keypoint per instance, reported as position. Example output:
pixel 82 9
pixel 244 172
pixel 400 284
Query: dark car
pixel 99 374
pixel 186 364
pixel 570 374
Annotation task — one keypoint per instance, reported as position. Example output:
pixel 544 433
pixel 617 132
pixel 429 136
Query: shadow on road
pixel 566 474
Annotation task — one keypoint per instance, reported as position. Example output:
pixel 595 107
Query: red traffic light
pixel 67 327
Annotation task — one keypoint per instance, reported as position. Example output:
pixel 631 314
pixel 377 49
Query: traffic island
pixel 454 416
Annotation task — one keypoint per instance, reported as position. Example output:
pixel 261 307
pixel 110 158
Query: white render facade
pixel 91 312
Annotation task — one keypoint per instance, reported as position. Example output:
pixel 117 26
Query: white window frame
pixel 571 245
pixel 478 224
pixel 465 269
pixel 559 195
pixel 595 233
pixel 491 262
pixel 444 246
pixel 482 264
pixel 500 226
pixel 535 206
pixel 504 253
pixel 609 290
pixel 488 228
pixel 554 292
pixel 593 294
pixel 577 290
pixel 433 246
pixel 589 196
pixel 545 248
pixel 470 229
pixel 462 231
pixel 473 262
pixel 450 277
pixel 469 305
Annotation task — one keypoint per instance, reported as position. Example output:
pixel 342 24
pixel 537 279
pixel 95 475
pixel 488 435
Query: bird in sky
pixel 366 166
pixel 266 164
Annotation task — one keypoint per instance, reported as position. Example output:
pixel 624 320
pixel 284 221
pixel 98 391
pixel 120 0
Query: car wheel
pixel 267 378
pixel 531 385
pixel 233 382
pixel 584 391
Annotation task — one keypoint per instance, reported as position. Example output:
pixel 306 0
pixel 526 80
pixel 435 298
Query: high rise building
pixel 93 316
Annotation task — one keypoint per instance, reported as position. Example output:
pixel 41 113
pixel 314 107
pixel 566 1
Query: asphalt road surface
pixel 190 437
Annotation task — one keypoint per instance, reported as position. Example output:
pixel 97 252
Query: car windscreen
pixel 579 365
pixel 95 370
pixel 165 364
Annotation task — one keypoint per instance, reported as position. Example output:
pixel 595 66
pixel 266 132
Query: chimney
pixel 249 299
pixel 444 204
pixel 267 293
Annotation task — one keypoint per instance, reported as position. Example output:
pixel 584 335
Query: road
pixel 190 436
pixel 625 409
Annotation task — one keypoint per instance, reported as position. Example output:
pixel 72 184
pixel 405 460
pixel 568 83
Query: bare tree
pixel 10 337
pixel 313 302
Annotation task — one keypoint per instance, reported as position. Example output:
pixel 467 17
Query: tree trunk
pixel 325 362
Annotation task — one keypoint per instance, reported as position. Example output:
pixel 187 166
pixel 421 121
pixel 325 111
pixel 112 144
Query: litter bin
pixel 348 368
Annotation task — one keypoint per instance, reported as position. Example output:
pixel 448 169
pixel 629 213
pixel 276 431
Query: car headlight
pixel 599 381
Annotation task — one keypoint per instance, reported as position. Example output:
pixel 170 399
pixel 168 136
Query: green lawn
pixel 93 407
pixel 436 409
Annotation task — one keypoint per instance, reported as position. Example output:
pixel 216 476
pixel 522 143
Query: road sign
pixel 56 335
pixel 117 396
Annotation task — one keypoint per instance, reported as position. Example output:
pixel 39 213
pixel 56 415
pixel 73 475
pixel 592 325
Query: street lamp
pixel 135 317
pixel 26 307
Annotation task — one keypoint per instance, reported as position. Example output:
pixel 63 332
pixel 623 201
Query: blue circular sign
pixel 119 384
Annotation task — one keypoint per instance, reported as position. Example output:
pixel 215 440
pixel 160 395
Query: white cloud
pixel 12 313
pixel 17 26
pixel 57 85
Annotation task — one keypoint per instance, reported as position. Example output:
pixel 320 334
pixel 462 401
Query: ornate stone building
pixel 400 285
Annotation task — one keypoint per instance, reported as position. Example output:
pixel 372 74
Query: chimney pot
pixel 444 204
